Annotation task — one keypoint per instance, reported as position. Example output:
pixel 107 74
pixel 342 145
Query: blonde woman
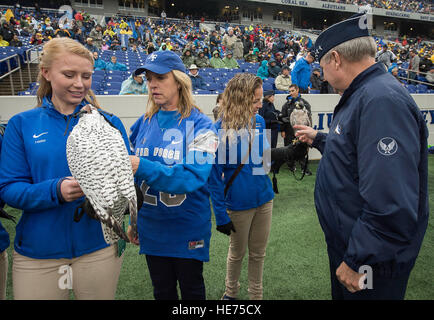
pixel 52 252
pixel 243 199
pixel 174 145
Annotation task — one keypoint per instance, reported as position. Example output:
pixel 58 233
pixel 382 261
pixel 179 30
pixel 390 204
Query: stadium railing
pixel 11 70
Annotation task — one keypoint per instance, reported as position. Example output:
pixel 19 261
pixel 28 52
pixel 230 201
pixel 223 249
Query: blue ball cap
pixel 162 62
pixel 354 27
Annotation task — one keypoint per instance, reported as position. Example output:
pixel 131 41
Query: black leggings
pixel 166 272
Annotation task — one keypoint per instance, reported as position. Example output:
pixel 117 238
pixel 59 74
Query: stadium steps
pixel 5 83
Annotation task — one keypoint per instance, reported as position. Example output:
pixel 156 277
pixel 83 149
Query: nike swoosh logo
pixel 176 142
pixel 37 136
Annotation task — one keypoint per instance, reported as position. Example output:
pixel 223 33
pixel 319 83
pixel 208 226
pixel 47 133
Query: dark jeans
pixel 166 272
pixel 383 288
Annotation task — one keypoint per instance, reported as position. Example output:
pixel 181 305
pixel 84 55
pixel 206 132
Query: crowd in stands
pixel 424 6
pixel 279 57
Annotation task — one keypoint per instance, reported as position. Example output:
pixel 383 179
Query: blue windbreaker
pixel 175 162
pixel 33 162
pixel 252 186
pixel 371 191
pixel 301 73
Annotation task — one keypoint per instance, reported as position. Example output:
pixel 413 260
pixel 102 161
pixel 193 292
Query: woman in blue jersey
pixel 242 195
pixel 52 252
pixel 174 146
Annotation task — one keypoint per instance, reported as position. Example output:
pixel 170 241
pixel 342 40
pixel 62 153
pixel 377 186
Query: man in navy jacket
pixel 371 191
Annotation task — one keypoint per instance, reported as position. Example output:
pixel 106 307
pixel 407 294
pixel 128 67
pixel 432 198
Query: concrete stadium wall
pixel 130 108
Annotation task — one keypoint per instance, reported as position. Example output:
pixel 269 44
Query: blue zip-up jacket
pixel 252 187
pixel 115 66
pixel 263 70
pixel 100 64
pixel 4 235
pixel 301 73
pixel 175 161
pixel 371 191
pixel 33 163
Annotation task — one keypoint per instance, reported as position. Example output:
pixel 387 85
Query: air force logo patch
pixel 387 146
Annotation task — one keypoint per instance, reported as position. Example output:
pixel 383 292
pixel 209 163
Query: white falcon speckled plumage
pixel 98 159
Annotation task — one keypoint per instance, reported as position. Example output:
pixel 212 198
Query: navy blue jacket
pixel 371 191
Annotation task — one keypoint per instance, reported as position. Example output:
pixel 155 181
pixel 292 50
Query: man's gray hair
pixel 354 50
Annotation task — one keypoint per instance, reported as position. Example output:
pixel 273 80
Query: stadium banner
pixel 317 4
pixel 130 107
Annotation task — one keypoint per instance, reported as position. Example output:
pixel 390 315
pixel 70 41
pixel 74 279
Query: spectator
pixel 134 84
pixel 247 44
pixel 251 56
pixel 283 81
pixel 196 80
pixel 229 61
pixel 115 45
pixel 216 62
pixel 316 79
pixel 238 49
pixel 15 42
pixel 425 64
pixel 7 32
pixel 413 66
pixel 294 47
pixel 150 48
pixel 273 69
pixel 187 58
pixel 99 63
pixel 114 65
pixel 147 36
pixel 229 40
pixel 104 46
pixel 36 39
pixel 78 35
pixel 201 60
pixel 263 70
pixel 90 46
pixel 207 53
pixel 301 73
pixel 385 56
pixel 214 41
pixel 96 35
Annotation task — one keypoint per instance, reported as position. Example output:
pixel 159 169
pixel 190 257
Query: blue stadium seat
pixel 267 86
pixel 421 88
pixel 411 88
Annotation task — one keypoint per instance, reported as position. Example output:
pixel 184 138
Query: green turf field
pixel 296 265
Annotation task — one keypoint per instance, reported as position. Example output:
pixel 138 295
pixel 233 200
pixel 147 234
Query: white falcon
pixel 98 159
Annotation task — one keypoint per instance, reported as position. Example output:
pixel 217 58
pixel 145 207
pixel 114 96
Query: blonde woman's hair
pixel 186 101
pixel 236 108
pixel 51 51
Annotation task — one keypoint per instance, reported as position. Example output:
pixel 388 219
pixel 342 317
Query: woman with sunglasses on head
pixel 174 145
